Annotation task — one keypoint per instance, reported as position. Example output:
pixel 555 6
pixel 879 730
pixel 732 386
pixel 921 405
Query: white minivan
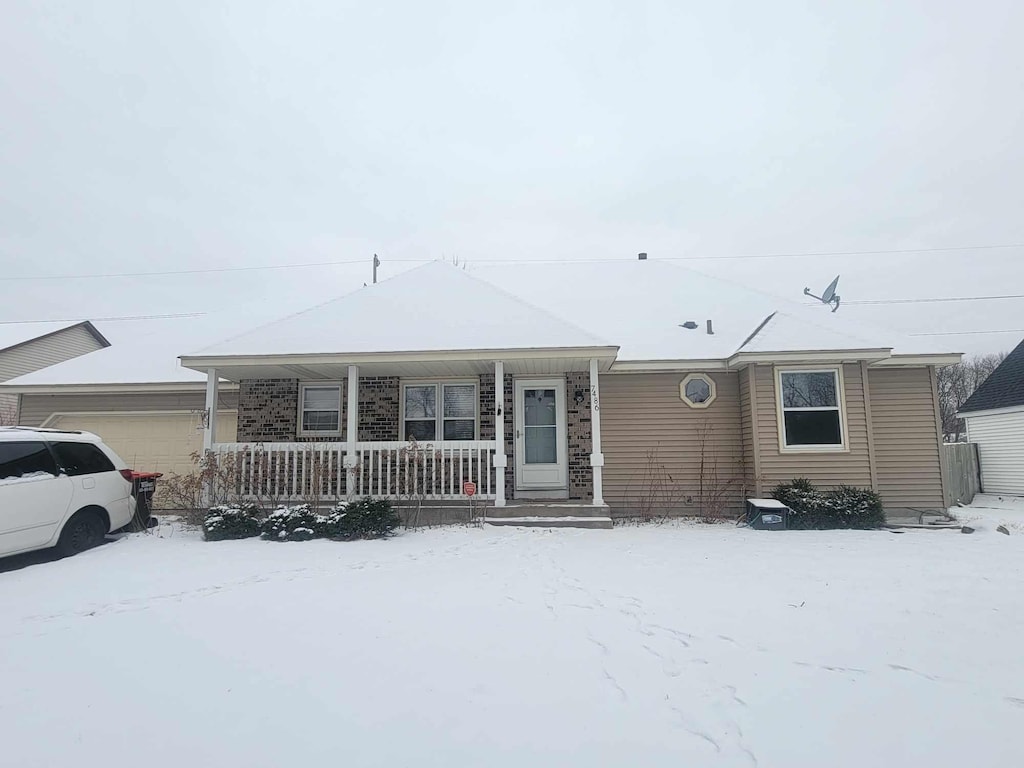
pixel 60 489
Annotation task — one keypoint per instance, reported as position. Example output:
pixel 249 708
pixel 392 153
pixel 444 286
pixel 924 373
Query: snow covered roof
pixel 433 307
pixel 641 306
pixel 13 334
pixel 141 351
pixel 637 306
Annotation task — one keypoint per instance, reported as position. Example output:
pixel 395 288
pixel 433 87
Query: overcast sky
pixel 196 135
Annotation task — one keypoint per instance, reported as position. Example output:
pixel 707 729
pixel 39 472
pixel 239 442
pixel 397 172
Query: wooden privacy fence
pixel 961 473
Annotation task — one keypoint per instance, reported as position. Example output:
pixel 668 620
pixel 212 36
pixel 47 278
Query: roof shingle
pixel 1004 388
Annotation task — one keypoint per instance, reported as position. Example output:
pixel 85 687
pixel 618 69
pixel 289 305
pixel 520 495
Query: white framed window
pixel 811 409
pixel 698 390
pixel 320 409
pixel 439 410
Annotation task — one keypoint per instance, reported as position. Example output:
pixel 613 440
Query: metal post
pixel 500 459
pixel 596 457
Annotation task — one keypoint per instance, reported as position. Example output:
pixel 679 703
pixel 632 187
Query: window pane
pixel 82 458
pixel 538 407
pixel 698 391
pixel 420 430
pixel 460 400
pixel 321 398
pixel 541 445
pixel 459 429
pixel 813 428
pixel 809 390
pixel 20 459
pixel 421 402
pixel 320 421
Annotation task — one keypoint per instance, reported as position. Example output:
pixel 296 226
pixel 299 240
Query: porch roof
pixel 411 364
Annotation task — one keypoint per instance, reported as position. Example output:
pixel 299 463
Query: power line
pixel 843 253
pixel 182 271
pixel 166 273
pixel 177 315
pixel 969 333
pixel 932 301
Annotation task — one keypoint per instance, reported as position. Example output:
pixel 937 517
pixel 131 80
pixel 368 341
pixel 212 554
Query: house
pixel 28 347
pixel 131 392
pixel 995 421
pixel 606 388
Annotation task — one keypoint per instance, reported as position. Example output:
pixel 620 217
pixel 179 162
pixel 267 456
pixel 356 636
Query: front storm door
pixel 540 434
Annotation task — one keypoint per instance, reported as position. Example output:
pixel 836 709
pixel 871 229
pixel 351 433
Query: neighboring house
pixel 625 386
pixel 995 421
pixel 28 347
pixel 132 393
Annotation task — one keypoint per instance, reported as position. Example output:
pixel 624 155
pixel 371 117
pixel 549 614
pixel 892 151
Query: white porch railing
pixel 290 472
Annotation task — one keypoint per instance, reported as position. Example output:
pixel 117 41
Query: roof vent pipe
pixel 642 256
pixel 711 331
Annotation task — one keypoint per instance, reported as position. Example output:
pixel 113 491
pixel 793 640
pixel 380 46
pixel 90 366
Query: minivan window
pixel 27 458
pixel 82 458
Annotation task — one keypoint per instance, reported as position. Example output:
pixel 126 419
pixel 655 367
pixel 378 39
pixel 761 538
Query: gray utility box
pixel 767 514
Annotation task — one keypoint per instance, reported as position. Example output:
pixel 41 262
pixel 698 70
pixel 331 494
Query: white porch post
pixel 352 426
pixel 596 457
pixel 210 429
pixel 500 459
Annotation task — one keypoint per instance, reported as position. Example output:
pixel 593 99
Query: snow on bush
pixel 231 521
pixel 298 523
pixel 363 519
pixel 842 507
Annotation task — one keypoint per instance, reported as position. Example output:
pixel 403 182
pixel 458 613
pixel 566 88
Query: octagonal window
pixel 697 390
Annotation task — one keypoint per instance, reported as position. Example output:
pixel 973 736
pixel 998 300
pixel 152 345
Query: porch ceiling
pixel 539 362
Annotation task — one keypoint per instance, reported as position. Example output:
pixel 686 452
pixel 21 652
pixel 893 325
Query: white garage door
pixel 150 442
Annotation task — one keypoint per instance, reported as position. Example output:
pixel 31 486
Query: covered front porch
pixel 492 428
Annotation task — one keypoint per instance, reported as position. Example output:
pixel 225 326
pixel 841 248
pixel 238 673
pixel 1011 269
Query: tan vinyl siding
pixel 906 438
pixel 746 431
pixel 824 469
pixel 642 413
pixel 44 352
pixel 36 409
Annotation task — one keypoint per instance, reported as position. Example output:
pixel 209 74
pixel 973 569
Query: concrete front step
pixel 546 509
pixel 565 521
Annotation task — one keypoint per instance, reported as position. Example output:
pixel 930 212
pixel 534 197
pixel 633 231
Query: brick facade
pixel 268 411
pixel 581 474
pixel 378 407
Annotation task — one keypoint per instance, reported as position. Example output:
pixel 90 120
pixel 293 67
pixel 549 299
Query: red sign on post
pixel 469 488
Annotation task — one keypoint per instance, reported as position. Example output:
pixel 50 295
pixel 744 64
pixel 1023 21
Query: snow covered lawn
pixel 655 646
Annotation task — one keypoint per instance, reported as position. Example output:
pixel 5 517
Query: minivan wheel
pixel 83 531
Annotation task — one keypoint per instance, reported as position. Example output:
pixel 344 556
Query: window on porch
pixel 439 410
pixel 320 411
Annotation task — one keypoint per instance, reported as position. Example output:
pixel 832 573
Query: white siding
pixel 1000 439
pixel 46 351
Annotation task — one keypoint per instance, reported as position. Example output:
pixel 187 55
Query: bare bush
pixel 714 488
pixel 215 481
pixel 958 382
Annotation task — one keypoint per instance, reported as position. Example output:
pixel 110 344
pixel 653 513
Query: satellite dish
pixel 829 297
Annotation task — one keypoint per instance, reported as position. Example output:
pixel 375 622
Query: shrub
pixel 233 521
pixel 362 519
pixel 842 507
pixel 298 523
